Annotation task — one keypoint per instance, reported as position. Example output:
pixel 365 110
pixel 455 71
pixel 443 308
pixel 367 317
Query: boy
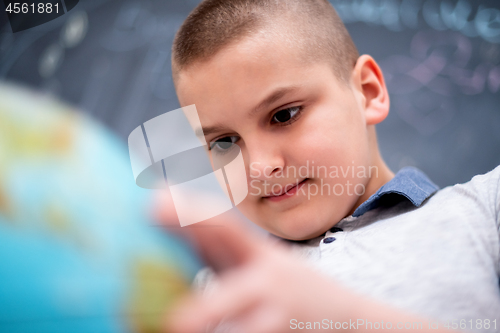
pixel 283 81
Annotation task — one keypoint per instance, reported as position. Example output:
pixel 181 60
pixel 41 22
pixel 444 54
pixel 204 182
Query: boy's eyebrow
pixel 208 130
pixel 273 97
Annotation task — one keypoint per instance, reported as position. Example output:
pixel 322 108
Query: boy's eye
pixel 223 144
pixel 285 115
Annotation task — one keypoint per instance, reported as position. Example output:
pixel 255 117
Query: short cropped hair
pixel 311 26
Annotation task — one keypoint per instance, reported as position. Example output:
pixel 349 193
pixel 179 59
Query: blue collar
pixel 409 183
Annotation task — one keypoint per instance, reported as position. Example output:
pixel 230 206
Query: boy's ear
pixel 369 81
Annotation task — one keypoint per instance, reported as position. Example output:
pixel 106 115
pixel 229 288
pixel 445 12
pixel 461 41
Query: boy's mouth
pixel 287 191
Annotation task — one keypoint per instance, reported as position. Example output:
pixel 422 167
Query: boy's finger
pixel 222 241
pixel 263 319
pixel 163 209
pixel 231 300
pixel 226 246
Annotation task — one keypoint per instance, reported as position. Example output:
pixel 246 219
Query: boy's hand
pixel 264 288
pixel 261 287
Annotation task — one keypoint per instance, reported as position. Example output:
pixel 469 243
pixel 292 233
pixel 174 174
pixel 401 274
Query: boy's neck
pixel 384 175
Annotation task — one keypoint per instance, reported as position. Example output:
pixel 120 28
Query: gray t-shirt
pixel 440 260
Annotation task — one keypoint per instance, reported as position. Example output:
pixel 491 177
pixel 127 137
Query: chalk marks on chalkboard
pixel 50 60
pixel 72 33
pixel 442 63
pixel 448 55
pixel 439 15
pixel 439 67
pixel 133 27
pixel 74 29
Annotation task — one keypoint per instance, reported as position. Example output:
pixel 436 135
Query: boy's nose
pixel 264 163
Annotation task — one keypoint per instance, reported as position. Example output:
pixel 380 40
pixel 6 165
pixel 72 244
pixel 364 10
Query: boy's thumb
pixel 226 246
pixel 222 241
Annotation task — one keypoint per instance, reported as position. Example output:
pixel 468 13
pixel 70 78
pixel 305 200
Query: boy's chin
pixel 304 222
pixel 298 236
pixel 298 230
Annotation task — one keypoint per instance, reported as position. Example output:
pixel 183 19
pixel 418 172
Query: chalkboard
pixel 441 61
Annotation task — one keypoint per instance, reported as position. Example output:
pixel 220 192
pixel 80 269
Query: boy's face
pixel 292 120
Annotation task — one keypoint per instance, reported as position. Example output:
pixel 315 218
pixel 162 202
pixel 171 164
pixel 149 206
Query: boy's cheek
pixel 249 207
pixel 324 201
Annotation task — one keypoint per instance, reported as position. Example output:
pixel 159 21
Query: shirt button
pixel 336 229
pixel 328 240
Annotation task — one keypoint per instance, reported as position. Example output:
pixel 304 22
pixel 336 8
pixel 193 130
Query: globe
pixel 78 250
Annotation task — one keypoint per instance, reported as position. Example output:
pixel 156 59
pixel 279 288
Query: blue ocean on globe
pixel 78 250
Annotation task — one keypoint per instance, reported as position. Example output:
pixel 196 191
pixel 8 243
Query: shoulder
pixel 492 176
pixel 485 188
pixel 481 193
